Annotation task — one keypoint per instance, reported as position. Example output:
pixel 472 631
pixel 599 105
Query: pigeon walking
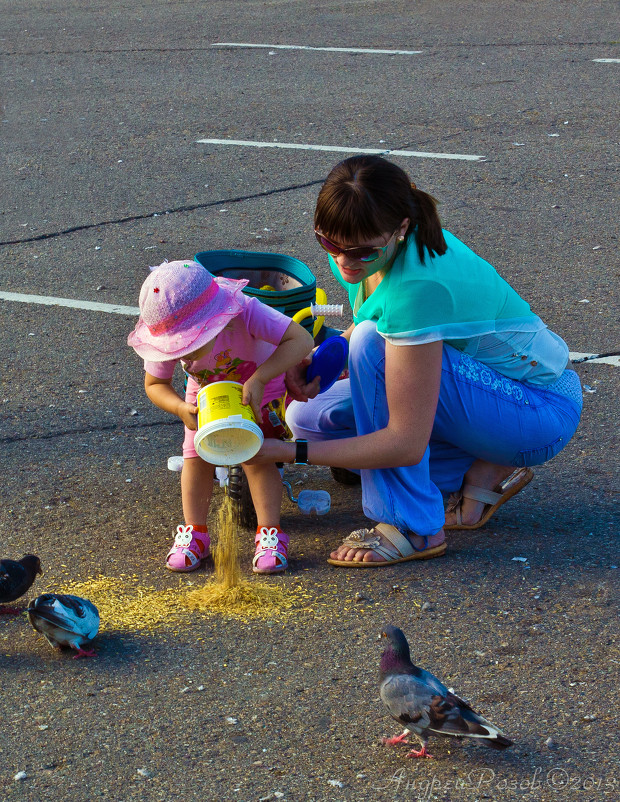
pixel 16 578
pixel 65 621
pixel 423 704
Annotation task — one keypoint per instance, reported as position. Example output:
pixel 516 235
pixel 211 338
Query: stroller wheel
pixel 239 492
pixel 346 477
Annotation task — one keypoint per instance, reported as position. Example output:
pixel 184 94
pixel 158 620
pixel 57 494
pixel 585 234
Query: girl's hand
pixel 253 391
pixel 295 380
pixel 188 414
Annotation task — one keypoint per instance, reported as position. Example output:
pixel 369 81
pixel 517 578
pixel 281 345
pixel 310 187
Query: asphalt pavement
pixel 103 175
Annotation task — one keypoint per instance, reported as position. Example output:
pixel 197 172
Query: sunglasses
pixel 361 254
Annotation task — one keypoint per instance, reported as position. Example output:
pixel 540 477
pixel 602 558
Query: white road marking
pixel 47 300
pixel 336 149
pixel 327 49
pixel 118 309
pixel 607 60
pixel 605 360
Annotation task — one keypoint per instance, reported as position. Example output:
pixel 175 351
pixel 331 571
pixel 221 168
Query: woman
pixel 454 381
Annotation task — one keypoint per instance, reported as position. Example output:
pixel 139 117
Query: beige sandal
pixel 396 548
pixel 492 498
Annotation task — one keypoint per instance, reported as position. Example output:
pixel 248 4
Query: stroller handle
pixel 318 310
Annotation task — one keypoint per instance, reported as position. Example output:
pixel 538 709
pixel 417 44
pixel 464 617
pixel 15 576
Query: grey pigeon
pixel 65 621
pixel 16 578
pixel 423 704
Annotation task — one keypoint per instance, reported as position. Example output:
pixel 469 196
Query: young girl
pixel 217 333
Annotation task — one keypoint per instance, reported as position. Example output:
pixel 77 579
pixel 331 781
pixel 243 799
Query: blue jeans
pixel 480 415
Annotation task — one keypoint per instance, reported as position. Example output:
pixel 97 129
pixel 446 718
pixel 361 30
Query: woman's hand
pixel 273 450
pixel 253 391
pixel 296 385
pixel 188 414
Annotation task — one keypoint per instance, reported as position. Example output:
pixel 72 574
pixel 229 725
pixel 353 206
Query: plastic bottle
pixel 314 501
pixel 221 474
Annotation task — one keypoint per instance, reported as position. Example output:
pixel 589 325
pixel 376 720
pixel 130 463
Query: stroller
pixel 288 285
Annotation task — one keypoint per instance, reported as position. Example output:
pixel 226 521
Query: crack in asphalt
pixel 188 208
pixel 178 209
pixel 113 427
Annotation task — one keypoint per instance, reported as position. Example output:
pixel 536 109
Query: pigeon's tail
pixel 488 733
pixel 499 742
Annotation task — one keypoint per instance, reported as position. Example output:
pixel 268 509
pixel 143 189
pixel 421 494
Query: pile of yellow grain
pixel 228 592
pixel 125 604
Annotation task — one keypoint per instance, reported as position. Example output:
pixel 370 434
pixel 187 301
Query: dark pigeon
pixel 65 621
pixel 16 578
pixel 423 704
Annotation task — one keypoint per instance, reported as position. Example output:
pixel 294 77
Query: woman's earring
pixel 400 239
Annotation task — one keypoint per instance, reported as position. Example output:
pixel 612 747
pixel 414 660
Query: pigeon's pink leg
pixel 84 653
pixel 421 753
pixel 397 739
pixel 9 611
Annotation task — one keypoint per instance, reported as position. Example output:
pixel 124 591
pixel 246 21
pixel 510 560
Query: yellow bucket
pixel 227 430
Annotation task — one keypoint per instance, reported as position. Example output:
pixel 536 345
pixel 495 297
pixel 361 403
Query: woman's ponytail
pixel 429 234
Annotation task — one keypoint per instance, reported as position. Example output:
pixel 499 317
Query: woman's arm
pixel 412 379
pixel 296 343
pixel 164 396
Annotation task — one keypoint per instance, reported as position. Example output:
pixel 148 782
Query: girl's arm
pixel 164 396
pixel 412 379
pixel 296 343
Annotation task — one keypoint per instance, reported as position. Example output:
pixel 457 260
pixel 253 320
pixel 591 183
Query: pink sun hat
pixel 183 307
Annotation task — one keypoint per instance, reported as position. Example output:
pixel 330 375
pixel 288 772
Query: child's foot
pixel 271 552
pixel 189 550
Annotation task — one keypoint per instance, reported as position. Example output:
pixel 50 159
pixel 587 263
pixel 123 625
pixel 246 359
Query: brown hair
pixel 364 197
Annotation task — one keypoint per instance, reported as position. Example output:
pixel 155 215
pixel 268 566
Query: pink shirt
pixel 245 343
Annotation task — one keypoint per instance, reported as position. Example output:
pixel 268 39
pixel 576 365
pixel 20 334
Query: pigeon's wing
pixel 450 715
pixel 86 616
pixel 408 700
pixel 69 613
pixel 431 682
pixel 13 580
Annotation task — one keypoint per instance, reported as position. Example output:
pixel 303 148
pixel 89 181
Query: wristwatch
pixel 301 452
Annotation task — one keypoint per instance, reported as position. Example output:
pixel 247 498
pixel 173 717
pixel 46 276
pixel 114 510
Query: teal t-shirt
pixel 453 297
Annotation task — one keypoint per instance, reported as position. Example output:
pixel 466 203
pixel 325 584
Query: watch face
pixel 301 452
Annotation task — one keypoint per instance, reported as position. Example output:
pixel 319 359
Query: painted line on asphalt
pixel 246 143
pixel 605 360
pixel 47 300
pixel 607 60
pixel 251 45
pixel 118 309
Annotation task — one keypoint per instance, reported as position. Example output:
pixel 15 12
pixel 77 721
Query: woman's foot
pixel 485 488
pixel 420 544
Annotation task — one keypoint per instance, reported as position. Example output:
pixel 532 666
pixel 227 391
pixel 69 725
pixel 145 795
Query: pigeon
pixel 65 621
pixel 423 704
pixel 16 578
